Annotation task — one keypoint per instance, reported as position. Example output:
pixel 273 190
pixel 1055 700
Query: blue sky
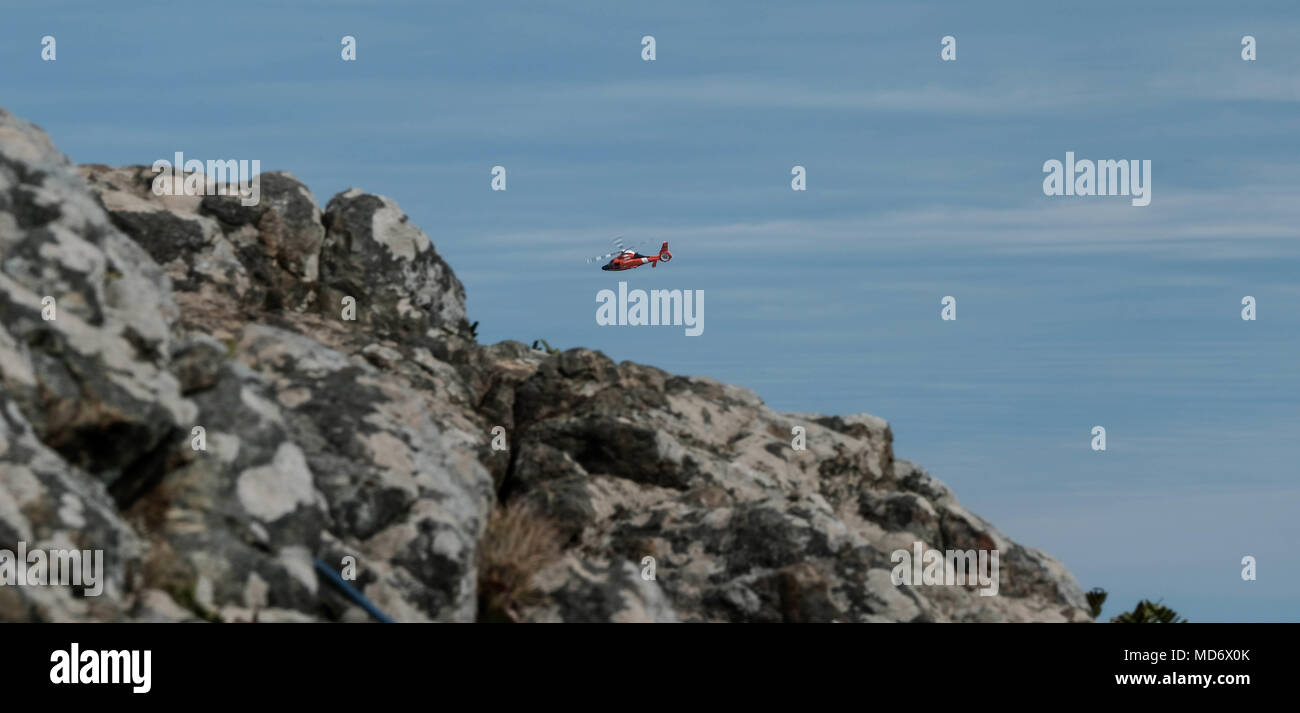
pixel 924 180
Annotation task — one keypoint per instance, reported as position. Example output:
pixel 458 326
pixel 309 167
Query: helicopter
pixel 624 258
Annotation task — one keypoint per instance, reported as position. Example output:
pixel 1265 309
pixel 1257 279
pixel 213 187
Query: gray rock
pixel 93 380
pixel 201 411
pixel 374 254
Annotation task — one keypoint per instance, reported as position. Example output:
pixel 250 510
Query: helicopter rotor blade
pixel 618 244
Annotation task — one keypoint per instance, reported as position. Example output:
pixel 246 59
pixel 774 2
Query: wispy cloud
pixel 1197 224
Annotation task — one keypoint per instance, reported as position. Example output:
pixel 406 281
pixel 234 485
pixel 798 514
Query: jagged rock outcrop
pixel 227 395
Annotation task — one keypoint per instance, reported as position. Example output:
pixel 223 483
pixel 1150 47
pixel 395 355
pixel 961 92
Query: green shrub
pixel 1149 612
pixel 1096 598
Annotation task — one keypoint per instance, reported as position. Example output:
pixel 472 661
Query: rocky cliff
pixel 196 401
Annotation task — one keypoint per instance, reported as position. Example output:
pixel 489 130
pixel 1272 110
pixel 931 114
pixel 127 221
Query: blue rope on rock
pixel 352 592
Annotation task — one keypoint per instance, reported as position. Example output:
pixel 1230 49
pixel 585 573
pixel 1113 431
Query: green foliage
pixel 546 345
pixel 1096 598
pixel 184 596
pixel 1149 612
